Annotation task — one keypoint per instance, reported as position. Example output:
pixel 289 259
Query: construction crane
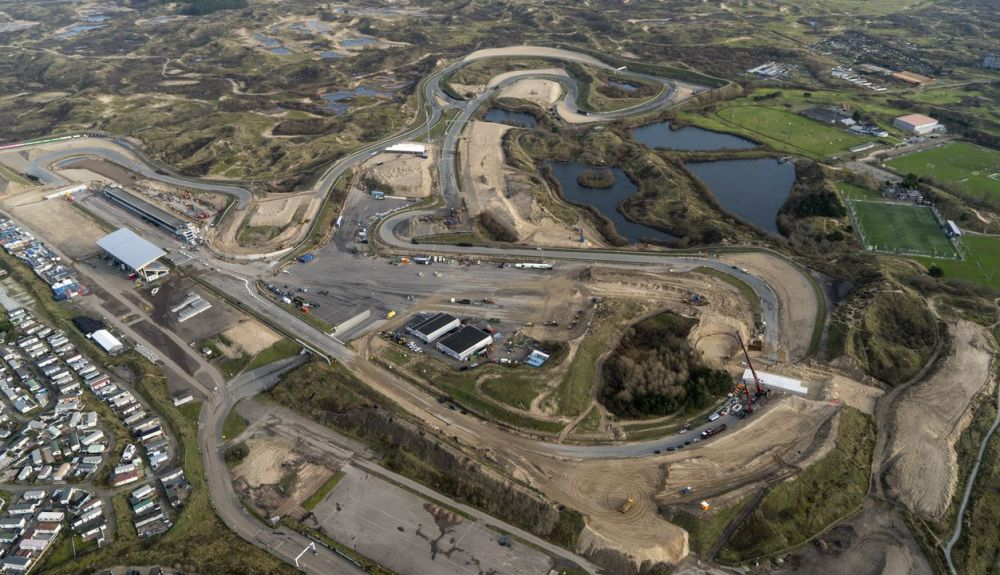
pixel 756 379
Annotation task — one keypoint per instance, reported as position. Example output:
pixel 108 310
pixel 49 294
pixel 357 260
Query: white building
pixel 917 123
pixel 775 382
pixel 465 342
pixel 408 148
pixel 108 342
pixel 429 329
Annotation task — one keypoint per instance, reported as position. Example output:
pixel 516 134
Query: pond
pixel 689 138
pixel 359 42
pixel 330 55
pixel 339 102
pixel 623 86
pixel 605 201
pixel 78 29
pixel 517 119
pixel 753 190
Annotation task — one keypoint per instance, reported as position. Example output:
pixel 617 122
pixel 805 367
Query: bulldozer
pixel 627 505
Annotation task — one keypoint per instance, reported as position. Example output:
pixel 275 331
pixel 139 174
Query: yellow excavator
pixel 629 502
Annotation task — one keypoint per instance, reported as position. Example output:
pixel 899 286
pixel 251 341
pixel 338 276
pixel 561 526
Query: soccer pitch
pixel 972 168
pixel 900 229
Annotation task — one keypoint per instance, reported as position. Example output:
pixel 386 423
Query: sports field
pixel 812 137
pixel 900 228
pixel 965 165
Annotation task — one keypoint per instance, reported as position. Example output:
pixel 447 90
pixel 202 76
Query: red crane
pixel 756 379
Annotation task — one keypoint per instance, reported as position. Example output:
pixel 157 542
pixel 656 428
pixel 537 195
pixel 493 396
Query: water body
pixel 606 201
pixel 330 55
pixel 357 42
pixel 623 86
pixel 281 51
pixel 77 29
pixel 754 190
pixel 517 119
pixel 689 138
pixel 340 102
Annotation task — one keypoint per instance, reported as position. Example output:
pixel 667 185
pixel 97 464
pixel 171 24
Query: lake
pixel 518 119
pixel 605 201
pixel 689 138
pixel 339 102
pixel 754 190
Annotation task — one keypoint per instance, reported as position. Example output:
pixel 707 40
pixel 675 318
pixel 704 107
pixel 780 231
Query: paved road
pixel 960 518
pixel 40 167
pixel 468 429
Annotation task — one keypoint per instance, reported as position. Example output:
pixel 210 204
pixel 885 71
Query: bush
pixel 655 371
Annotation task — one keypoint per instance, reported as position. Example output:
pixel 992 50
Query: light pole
pixel 311 546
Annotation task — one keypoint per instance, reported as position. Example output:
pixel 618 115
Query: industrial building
pixel 775 382
pixel 917 123
pixel 135 253
pixel 465 342
pixel 430 329
pixel 151 213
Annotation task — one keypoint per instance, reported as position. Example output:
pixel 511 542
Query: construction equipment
pixel 705 505
pixel 627 505
pixel 753 371
pixel 697 299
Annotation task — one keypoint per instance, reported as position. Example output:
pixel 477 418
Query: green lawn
pixel 792 129
pixel 233 425
pixel 573 394
pixel 980 266
pixel 966 166
pixel 900 228
pixel 282 349
pixel 852 192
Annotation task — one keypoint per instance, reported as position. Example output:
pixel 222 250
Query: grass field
pixel 980 266
pixel 966 166
pixel 900 229
pixel 815 139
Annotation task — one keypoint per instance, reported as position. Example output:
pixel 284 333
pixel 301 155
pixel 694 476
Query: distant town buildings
pixel 917 124
pixel 992 62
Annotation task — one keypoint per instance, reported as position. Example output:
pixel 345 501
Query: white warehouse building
pixel 917 124
pixel 431 328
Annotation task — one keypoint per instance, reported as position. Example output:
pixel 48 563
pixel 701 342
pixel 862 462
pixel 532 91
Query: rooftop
pixel 433 323
pixel 917 119
pixel 464 339
pixel 130 248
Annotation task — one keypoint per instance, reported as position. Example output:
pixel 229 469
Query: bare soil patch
pixel 796 297
pixel 408 174
pixel 929 418
pixel 251 336
pixel 56 221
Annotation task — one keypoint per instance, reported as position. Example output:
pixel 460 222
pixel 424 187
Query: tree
pixel 935 271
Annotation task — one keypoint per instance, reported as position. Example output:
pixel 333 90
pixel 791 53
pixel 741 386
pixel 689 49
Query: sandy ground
pixel 541 92
pixel 408 174
pixel 798 306
pixel 930 417
pixel 764 449
pixel 278 209
pixel 57 221
pixel 876 542
pixel 490 186
pixel 251 336
pixel 853 393
pixel 272 458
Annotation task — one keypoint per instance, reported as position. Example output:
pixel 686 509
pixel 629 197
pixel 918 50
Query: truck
pixel 713 431
pixel 390 314
pixel 306 258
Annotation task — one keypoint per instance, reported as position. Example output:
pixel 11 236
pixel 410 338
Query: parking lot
pixel 411 535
